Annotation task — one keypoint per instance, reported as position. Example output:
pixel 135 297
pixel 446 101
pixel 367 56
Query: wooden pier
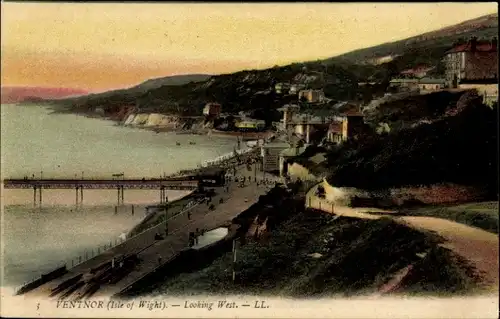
pixel 187 184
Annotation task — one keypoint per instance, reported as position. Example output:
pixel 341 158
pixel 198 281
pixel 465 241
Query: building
pixel 312 96
pixel 270 155
pixel 211 176
pixel 474 60
pixel 334 134
pixel 353 125
pixel 212 109
pixel 281 88
pixel 287 154
pixel 250 125
pixel 295 88
pixel 289 110
pixel 431 85
pixel 404 84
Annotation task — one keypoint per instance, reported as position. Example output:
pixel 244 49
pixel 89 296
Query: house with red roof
pixel 476 60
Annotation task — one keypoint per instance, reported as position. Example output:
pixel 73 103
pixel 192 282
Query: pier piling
pixel 81 195
pixel 34 196
pixel 76 196
pixel 118 198
pixel 40 196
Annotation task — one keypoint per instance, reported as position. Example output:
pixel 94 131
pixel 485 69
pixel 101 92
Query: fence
pixel 322 204
pixel 135 241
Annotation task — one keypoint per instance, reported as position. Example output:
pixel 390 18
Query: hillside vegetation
pixel 429 45
pixel 251 90
pixel 459 146
pixel 313 255
pixel 245 90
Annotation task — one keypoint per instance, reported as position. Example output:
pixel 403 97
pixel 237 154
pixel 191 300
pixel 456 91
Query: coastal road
pixel 234 202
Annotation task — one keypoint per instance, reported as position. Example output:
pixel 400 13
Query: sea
pixel 35 142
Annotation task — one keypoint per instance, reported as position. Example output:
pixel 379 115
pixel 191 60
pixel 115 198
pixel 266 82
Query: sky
pixel 101 46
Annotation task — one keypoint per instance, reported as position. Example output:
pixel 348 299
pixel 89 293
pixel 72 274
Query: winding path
pixel 478 247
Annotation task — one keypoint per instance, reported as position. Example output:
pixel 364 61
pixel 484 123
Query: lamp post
pixel 166 216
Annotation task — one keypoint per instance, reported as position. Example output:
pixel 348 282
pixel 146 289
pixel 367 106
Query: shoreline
pixel 167 129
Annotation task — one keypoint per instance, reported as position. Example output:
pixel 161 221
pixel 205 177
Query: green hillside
pixel 250 90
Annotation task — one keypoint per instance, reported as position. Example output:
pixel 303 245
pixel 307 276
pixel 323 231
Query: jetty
pixel 121 267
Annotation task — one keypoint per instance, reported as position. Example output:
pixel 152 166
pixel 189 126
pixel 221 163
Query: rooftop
pixel 292 151
pixel 404 80
pixel 432 81
pixel 351 112
pixel 480 46
pixel 335 127
pixel 277 145
pixel 289 106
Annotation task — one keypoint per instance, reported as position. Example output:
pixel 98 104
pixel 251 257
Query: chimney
pixel 473 44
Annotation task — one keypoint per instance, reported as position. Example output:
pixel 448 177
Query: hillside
pixel 32 94
pixel 246 90
pixel 485 26
pixel 384 61
pixel 171 80
pixel 141 88
pixel 457 146
pixel 307 253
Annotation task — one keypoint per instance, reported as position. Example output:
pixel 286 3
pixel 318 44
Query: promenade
pixel 150 250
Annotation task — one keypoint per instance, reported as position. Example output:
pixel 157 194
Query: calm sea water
pixel 35 142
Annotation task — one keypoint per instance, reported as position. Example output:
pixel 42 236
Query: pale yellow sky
pixel 98 46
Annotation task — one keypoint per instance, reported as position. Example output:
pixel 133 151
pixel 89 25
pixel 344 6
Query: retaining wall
pixel 45 278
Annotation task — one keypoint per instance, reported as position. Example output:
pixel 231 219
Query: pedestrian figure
pixel 159 260
pixel 191 239
pixel 189 215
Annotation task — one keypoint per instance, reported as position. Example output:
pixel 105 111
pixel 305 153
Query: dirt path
pixel 478 247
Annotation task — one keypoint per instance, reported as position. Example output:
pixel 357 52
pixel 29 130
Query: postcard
pixel 249 160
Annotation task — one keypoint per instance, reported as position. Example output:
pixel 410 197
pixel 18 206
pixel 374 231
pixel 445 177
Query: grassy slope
pixel 485 26
pixel 426 49
pixel 481 215
pixel 358 256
